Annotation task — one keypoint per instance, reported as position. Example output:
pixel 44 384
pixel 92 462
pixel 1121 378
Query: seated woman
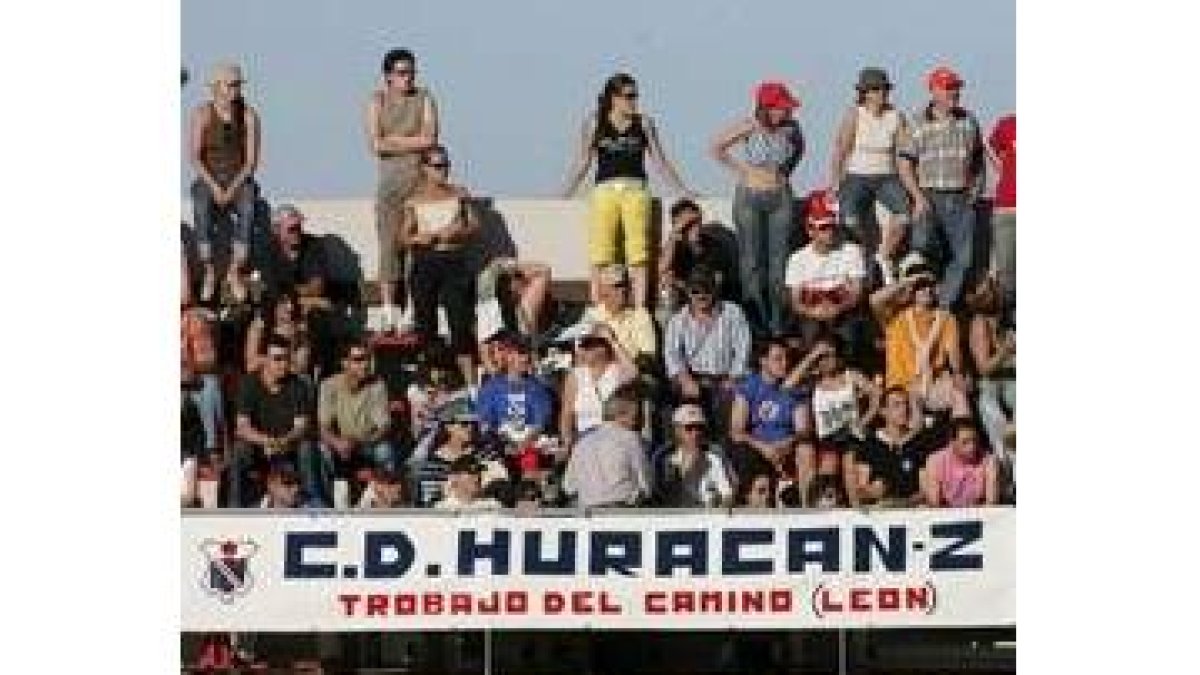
pixel 281 318
pixel 962 473
pixel 843 402
pixel 511 294
pixel 993 355
pixel 602 366
pixel 437 225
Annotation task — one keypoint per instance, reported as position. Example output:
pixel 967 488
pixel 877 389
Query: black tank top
pixel 620 154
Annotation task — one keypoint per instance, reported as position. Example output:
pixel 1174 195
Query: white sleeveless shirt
pixel 433 217
pixel 874 151
pixel 590 394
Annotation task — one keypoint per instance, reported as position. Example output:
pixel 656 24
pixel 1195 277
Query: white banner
pixel 425 570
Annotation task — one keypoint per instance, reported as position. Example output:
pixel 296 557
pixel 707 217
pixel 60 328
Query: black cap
pixel 871 78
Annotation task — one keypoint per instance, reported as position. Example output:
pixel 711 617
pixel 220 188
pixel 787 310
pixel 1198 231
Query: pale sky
pixel 515 78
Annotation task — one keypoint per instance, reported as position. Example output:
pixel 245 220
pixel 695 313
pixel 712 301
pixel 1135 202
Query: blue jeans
pixel 856 201
pixel 206 212
pixel 952 216
pixel 764 220
pixel 209 402
pixel 997 405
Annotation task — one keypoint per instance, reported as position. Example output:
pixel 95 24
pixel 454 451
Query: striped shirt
pixel 948 152
pixel 716 346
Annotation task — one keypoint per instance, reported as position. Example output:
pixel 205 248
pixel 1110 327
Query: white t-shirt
pixel 808 269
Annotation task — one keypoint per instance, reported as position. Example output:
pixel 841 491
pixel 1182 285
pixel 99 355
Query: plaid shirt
pixel 948 153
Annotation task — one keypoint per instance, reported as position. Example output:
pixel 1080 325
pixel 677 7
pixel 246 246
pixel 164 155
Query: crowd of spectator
pixel 846 348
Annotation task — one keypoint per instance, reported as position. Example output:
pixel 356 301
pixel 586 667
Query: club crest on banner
pixel 227 575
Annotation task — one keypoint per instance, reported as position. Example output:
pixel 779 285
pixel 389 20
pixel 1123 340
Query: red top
pixel 1004 143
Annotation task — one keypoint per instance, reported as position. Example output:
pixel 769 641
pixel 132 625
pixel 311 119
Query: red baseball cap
pixel 775 95
pixel 944 78
pixel 821 210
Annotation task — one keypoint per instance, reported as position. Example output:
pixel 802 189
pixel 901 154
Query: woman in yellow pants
pixel 618 138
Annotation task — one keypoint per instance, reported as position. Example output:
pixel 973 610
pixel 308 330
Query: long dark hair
pixel 604 101
pixel 238 107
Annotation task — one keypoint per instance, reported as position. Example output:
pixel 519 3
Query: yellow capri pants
pixel 620 212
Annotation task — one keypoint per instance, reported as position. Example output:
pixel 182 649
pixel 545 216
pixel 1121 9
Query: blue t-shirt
pixel 522 402
pixel 772 408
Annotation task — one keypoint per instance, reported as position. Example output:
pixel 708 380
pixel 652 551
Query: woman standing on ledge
pixel 618 138
pixel 763 209
pixel 437 224
pixel 402 123
pixel 224 152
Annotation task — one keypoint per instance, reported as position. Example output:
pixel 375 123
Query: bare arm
pixel 874 398
pixel 803 369
pixel 952 345
pixel 906 168
pixel 383 145
pixel 467 226
pixel 196 147
pixel 254 339
pixel 729 136
pixel 566 414
pixel 843 144
pixel 246 432
pixel 660 158
pixel 253 147
pixel 583 158
pixel 929 491
pixel 991 481
pixel 739 418
pixel 986 360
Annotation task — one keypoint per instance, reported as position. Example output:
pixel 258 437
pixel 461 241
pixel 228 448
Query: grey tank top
pixel 400 115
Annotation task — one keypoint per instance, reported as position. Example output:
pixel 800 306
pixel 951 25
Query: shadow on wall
pixel 494 240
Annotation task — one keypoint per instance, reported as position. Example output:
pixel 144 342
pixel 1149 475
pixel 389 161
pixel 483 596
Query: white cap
pixel 689 413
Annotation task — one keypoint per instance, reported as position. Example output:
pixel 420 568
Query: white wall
pixel 550 230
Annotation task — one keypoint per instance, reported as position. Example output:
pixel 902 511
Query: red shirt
pixel 1003 142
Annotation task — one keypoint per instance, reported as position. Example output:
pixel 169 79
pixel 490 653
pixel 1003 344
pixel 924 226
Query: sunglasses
pixel 628 95
pixel 440 166
pixel 820 227
pixel 693 426
pixel 277 357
